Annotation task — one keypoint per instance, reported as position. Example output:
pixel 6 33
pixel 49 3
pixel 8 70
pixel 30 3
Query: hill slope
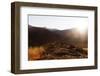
pixel 40 36
pixel 56 44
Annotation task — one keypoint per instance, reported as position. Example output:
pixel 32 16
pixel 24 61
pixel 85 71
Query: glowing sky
pixel 57 22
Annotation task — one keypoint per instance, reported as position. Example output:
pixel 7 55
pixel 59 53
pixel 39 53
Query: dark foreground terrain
pixel 63 51
pixel 47 44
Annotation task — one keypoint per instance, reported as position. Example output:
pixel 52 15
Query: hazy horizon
pixel 57 22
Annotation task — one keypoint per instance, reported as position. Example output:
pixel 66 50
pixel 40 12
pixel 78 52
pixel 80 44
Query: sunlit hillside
pixel 44 44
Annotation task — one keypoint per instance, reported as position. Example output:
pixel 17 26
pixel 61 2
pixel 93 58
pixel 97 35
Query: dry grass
pixel 35 53
pixel 56 50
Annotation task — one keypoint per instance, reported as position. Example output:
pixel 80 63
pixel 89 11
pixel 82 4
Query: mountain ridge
pixel 42 35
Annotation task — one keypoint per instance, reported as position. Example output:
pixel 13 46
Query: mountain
pixel 45 44
pixel 38 36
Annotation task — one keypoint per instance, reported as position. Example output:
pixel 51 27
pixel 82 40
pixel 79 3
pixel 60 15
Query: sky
pixel 57 22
